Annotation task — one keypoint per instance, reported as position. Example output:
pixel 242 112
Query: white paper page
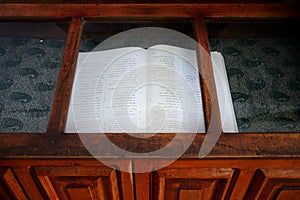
pixel 173 96
pixel 102 99
pixel 228 118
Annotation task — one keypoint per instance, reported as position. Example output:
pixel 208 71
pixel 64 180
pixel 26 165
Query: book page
pixel 102 95
pixel 174 102
pixel 227 113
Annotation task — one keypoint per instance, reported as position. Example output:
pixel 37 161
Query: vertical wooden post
pixel 65 80
pixel 210 101
pixel 209 92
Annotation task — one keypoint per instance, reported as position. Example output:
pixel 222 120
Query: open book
pixel 136 90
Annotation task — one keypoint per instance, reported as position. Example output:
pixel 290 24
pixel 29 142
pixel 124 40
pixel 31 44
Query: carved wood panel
pixel 192 183
pixel 4 192
pixel 279 184
pixel 9 185
pixel 79 182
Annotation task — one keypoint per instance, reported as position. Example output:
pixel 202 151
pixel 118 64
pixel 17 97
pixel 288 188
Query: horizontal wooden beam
pixel 246 163
pixel 237 145
pixel 217 10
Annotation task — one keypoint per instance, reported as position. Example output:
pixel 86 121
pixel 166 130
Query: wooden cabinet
pixel 78 182
pixel 192 183
pixel 275 184
pixel 64 180
pixel 183 179
pixel 55 165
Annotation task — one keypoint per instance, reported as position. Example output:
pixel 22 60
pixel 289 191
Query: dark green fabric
pixel 29 69
pixel 264 79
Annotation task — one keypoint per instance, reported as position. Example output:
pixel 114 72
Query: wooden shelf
pixel 267 144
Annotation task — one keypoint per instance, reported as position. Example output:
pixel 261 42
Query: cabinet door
pixel 192 183
pixel 78 182
pixel 9 185
pixel 279 184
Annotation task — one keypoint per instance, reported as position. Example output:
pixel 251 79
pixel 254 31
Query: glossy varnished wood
pixel 275 184
pixel 55 165
pixel 65 80
pixel 241 145
pixel 213 175
pixel 27 180
pixel 72 182
pixel 212 113
pixel 11 182
pixel 150 10
pixel 55 143
pixel 61 179
pixel 192 183
pixel 210 99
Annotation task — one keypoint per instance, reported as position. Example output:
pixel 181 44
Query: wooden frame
pixel 241 165
pixel 243 172
pixel 229 145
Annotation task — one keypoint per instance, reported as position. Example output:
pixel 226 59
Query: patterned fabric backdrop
pixel 29 69
pixel 264 79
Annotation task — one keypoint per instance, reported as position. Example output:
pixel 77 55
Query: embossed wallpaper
pixel 29 69
pixel 264 79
